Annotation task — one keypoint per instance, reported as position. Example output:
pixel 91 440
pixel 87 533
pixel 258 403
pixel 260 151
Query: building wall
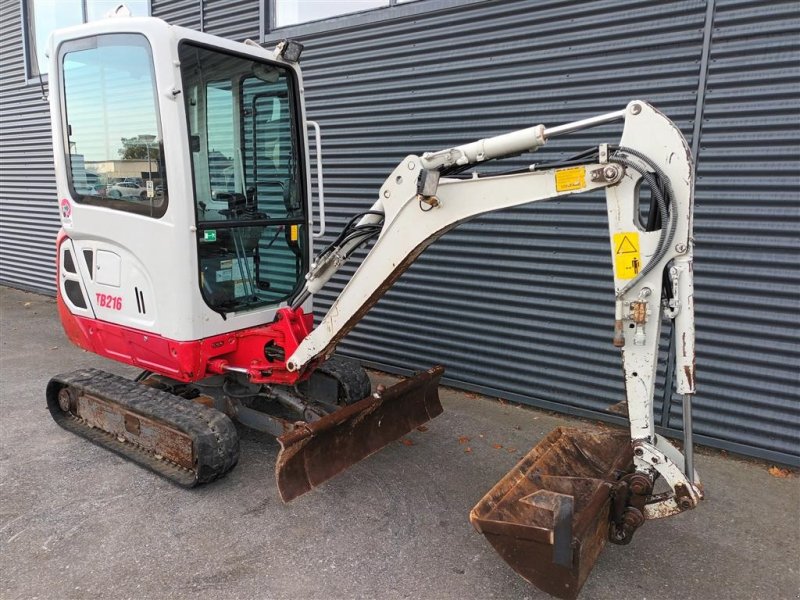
pixel 747 224
pixel 238 20
pixel 518 303
pixel 28 211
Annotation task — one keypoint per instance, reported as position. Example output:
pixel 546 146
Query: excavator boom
pixel 551 515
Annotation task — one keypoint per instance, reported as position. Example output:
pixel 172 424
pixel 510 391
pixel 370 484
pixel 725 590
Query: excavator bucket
pixel 548 518
pixel 316 451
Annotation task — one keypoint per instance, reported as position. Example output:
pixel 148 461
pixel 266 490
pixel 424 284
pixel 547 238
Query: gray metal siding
pixel 28 214
pixel 748 230
pixel 233 20
pixel 186 13
pixel 519 304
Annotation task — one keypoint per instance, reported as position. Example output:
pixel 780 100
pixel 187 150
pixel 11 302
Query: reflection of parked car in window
pixel 85 189
pixel 128 188
pixel 91 184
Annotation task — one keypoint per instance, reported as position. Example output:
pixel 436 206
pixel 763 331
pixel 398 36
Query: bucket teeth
pixel 548 518
pixel 314 452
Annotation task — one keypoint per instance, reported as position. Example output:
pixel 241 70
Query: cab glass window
pixel 115 151
pixel 246 153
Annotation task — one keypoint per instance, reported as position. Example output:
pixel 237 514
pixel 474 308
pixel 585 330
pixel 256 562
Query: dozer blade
pixel 548 518
pixel 317 451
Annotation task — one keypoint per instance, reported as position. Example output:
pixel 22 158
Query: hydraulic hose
pixel 669 223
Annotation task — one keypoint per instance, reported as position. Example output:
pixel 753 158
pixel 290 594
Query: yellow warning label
pixel 627 257
pixel 573 178
pixel 293 232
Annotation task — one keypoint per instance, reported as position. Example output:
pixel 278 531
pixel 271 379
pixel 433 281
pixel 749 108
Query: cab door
pixel 245 136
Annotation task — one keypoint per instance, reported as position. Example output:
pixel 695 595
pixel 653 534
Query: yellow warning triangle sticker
pixel 627 257
pixel 626 246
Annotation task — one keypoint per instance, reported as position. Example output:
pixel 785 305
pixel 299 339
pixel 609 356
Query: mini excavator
pixel 186 250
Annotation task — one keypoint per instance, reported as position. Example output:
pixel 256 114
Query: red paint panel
pixel 196 359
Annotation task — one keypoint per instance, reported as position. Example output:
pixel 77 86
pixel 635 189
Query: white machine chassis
pixel 139 241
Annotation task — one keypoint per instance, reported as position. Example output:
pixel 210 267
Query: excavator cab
pixel 222 148
pixel 248 161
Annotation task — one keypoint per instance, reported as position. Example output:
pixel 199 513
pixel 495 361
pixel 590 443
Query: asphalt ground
pixel 79 522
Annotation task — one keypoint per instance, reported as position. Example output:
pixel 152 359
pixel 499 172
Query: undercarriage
pixel 185 431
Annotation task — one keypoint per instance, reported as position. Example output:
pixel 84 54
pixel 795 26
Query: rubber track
pixel 214 436
pixel 351 376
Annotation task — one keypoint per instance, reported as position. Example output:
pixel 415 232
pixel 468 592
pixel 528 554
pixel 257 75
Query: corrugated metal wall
pixel 28 208
pixel 186 13
pixel 233 20
pixel 518 304
pixel 747 226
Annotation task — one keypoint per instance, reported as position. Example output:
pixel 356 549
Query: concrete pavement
pixel 80 522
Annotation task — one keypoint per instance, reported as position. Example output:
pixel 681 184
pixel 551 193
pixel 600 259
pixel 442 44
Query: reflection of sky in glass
pixel 55 14
pixel 109 94
pixel 50 15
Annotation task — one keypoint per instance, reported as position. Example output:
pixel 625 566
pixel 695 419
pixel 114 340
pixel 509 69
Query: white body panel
pixel 157 255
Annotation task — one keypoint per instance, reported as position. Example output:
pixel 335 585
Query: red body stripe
pixel 196 359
